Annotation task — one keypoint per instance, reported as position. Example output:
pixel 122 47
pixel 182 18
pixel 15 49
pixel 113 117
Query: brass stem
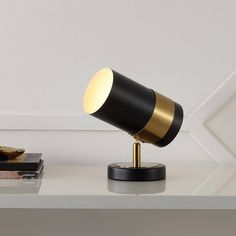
pixel 136 154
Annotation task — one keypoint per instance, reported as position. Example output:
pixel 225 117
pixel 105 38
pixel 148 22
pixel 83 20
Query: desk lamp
pixel 145 114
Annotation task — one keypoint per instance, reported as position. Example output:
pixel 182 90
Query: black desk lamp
pixel 145 114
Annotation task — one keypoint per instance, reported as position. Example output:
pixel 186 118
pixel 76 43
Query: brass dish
pixel 9 153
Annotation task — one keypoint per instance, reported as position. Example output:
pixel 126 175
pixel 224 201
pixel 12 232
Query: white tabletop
pixel 188 186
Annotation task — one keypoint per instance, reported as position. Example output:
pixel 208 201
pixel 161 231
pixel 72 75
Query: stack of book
pixel 26 166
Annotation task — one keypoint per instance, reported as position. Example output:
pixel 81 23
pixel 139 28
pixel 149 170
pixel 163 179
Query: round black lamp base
pixel 126 172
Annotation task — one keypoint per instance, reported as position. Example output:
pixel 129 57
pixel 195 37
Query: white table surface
pixel 188 186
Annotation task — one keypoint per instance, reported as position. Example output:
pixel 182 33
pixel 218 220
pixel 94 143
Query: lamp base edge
pixel 124 171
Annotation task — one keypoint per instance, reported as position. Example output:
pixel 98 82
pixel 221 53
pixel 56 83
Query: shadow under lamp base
pixel 136 171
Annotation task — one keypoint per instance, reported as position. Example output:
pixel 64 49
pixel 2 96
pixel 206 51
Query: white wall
pixel 49 49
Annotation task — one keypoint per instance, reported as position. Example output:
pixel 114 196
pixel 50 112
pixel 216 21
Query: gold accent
pixel 160 121
pixel 136 154
pixel 11 153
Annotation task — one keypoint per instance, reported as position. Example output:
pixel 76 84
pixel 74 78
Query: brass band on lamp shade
pixel 128 105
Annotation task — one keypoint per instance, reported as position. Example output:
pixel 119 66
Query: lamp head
pixel 128 105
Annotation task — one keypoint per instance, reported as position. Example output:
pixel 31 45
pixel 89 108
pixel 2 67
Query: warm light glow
pixel 98 90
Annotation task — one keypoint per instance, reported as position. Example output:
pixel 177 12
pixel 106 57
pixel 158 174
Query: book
pixel 25 174
pixel 25 162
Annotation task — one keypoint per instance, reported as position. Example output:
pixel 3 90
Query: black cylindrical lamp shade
pixel 126 104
